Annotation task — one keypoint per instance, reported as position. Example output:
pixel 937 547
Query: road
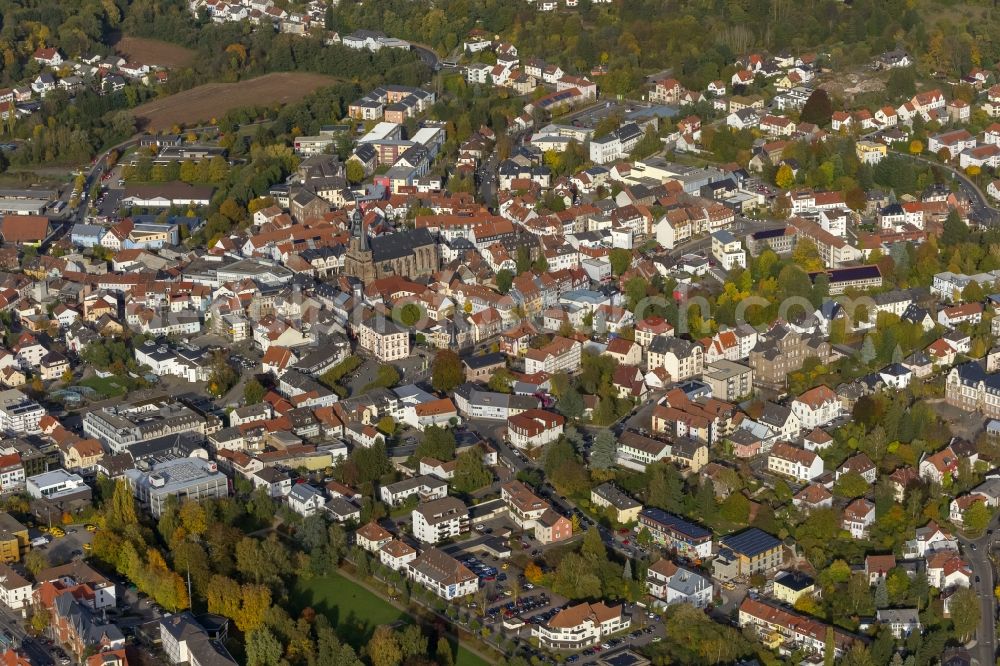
pixel 977 551
pixel 11 623
pixel 980 202
pixel 486 179
pixel 426 54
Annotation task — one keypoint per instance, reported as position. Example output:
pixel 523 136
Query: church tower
pixel 358 260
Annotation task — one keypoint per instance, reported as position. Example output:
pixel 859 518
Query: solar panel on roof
pixel 677 523
pixel 768 233
pixel 750 542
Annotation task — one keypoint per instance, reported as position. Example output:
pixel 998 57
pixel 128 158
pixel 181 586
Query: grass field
pixel 205 102
pixel 108 387
pixel 153 52
pixel 356 612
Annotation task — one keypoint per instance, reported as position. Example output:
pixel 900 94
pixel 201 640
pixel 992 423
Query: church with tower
pixel 411 254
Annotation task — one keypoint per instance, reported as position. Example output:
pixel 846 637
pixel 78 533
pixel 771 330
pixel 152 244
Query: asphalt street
pixel 980 202
pixel 978 552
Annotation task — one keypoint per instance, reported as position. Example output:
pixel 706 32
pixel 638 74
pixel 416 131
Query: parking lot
pixel 62 549
pixel 107 203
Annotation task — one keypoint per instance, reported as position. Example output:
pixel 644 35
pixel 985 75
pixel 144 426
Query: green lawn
pixel 351 608
pixel 356 612
pixel 467 658
pixel 108 387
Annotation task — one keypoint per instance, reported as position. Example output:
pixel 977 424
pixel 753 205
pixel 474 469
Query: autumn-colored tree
pixel 35 561
pixel 40 619
pixel 916 147
pixel 533 573
pixel 807 256
pixel 218 169
pixel 256 599
pixel 387 425
pixel 232 210
pixel 383 647
pixel 784 178
pixel 977 517
pixel 193 517
pixel 818 108
pixel 122 511
pixel 446 372
pixel 354 171
pixel 253 392
pixel 855 199
pixel 259 203
pixel 237 54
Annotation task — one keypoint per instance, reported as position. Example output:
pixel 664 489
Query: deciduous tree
pixel 446 372
pixel 818 108
pixel 253 392
pixel 964 609
pixel 383 647
pixel 620 259
pixel 602 455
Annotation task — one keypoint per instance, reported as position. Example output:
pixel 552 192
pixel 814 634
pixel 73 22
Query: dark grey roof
pixel 365 152
pixel 168 447
pixel 677 524
pixel 394 246
pixel 794 580
pixel 484 360
pixel 775 414
pixel 750 542
pixel 895 369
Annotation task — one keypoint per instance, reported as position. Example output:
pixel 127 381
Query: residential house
pixel 625 509
pixel 581 626
pixel 442 574
pixel 858 516
pixel 797 463
pixel 816 407
pixel 440 519
pixel 745 553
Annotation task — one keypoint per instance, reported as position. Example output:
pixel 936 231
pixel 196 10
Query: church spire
pixel 358 229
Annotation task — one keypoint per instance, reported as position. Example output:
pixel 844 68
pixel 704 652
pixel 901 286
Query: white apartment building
pixel 858 516
pixel 560 355
pixel 533 428
pixel 426 486
pixel 186 362
pixel 384 339
pixel 817 407
pixel 728 250
pixel 15 591
pixel 794 462
pixel 679 357
pixel 440 519
pixel 11 473
pixel 442 574
pixel 19 414
pixel 581 626
pixel 305 500
pixel 397 555
pixel 54 484
pixel 615 145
